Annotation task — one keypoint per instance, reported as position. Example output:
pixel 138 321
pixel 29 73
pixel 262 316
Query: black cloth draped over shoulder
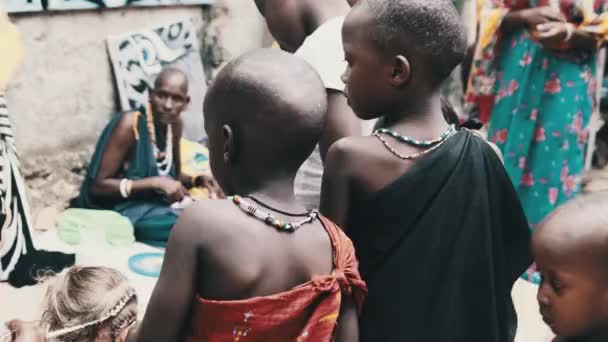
pixel 441 247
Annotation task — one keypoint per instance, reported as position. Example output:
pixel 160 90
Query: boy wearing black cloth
pixel 438 228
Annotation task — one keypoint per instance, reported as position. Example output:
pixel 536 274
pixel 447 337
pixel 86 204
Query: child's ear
pixel 402 72
pixel 228 135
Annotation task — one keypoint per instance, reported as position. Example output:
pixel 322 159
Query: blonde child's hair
pixel 86 298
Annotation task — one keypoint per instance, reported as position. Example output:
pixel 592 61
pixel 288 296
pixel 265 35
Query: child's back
pixel 438 228
pixel 230 270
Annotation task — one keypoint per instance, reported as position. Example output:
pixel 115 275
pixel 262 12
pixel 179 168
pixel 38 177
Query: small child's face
pixel 573 294
pixel 364 78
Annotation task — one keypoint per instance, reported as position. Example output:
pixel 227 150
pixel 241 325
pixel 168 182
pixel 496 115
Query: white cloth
pixel 308 181
pixel 323 50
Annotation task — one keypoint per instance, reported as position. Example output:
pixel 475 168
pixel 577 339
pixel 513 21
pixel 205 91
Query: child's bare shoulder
pixel 351 150
pixel 350 158
pixel 205 221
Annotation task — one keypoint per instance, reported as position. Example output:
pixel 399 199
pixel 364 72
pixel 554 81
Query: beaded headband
pixel 124 323
pixel 112 313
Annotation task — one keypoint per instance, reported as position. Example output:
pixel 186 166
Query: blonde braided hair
pixel 85 299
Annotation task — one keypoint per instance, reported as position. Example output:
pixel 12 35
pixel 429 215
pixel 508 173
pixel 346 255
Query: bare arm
pixel 107 185
pixel 583 40
pixel 341 121
pixel 348 322
pixel 169 310
pixel 286 22
pixel 117 151
pixel 514 20
pixel 335 191
pixel 530 18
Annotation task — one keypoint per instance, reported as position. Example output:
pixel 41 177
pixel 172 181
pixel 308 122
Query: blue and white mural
pixel 138 57
pixel 16 6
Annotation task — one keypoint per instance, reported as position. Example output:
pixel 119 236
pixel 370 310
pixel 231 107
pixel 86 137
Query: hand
pixel 208 182
pixel 552 35
pixel 540 15
pixel 26 331
pixel 173 190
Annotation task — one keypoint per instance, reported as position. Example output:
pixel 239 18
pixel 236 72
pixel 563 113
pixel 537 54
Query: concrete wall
pixel 235 27
pixel 243 27
pixel 62 94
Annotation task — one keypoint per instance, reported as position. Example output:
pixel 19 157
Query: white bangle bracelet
pixel 123 188
pixel 569 32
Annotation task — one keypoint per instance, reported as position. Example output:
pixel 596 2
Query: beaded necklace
pixel 255 211
pixel 436 142
pixel 416 142
pixel 164 160
pixel 260 203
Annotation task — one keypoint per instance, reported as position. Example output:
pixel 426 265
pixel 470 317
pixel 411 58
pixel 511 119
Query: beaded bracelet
pixel 126 186
pixel 569 32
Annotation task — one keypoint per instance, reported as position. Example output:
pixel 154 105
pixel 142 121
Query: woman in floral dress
pixel 533 82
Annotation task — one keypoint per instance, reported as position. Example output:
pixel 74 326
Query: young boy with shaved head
pixel 258 266
pixel 439 231
pixel 571 251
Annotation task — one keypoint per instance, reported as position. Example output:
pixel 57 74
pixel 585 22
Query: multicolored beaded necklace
pixel 164 160
pixel 435 143
pixel 255 211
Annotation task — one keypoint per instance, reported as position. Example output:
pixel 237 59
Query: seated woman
pixel 135 169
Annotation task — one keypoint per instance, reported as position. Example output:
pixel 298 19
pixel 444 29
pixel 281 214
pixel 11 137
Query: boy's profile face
pixel 365 77
pixel 573 294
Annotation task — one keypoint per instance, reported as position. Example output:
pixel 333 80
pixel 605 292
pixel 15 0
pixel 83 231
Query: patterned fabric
pixel 538 103
pixel 306 313
pixel 20 262
pixel 480 92
pixel 11 238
